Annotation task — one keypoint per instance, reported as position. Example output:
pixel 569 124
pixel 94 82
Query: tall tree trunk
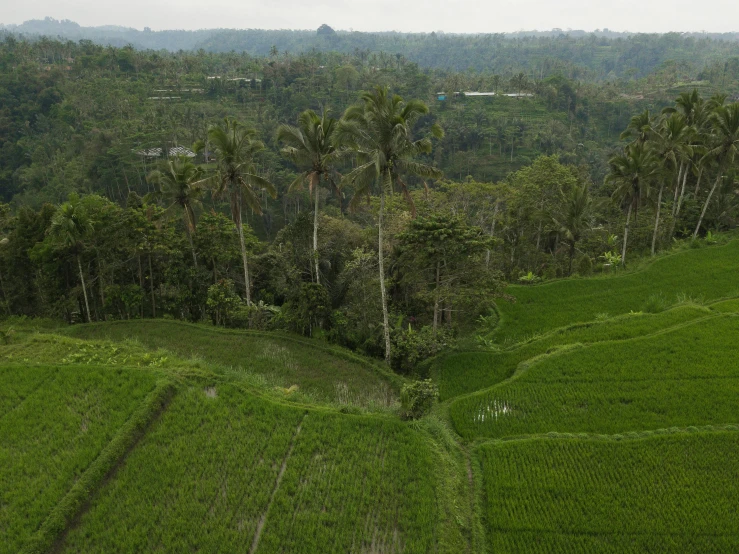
pixel 247 287
pixel 436 296
pixel 385 318
pixel 141 284
pixel 315 231
pixel 192 245
pixel 151 289
pixel 626 234
pixel 656 219
pixel 84 288
pixel 102 287
pixel 698 183
pixel 682 193
pixel 708 200
pixel 492 233
pixel 572 255
pixel 677 187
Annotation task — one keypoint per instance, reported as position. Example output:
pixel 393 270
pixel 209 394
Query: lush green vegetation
pixel 465 372
pixel 615 386
pixel 306 479
pixel 538 309
pixel 672 493
pixel 53 433
pixel 325 373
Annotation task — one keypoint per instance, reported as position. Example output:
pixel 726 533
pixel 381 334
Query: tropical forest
pixel 329 291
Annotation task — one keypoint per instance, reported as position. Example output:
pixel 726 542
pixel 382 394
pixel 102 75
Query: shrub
pixel 222 301
pixel 417 398
pixel 585 266
pixel 655 304
pixel 410 347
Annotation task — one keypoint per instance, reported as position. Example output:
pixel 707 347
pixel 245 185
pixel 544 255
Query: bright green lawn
pixel 687 376
pixel 708 273
pixel 52 435
pixel 672 493
pixel 322 372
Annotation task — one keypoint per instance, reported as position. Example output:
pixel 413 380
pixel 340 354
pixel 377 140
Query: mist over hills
pixel 603 50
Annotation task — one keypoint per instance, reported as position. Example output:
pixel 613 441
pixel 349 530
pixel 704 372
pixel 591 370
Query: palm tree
pixel 180 187
pixel 639 128
pixel 235 147
pixel 70 225
pixel 724 147
pixel 576 218
pixel 310 146
pixel 672 139
pixel 379 131
pixel 632 173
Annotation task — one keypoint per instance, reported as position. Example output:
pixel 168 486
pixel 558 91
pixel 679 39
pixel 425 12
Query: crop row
pixel 48 440
pixel 673 493
pixel 690 376
pixel 220 465
pixel 540 308
pixel 465 372
pixel 18 383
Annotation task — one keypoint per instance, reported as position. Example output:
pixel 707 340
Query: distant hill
pixel 602 51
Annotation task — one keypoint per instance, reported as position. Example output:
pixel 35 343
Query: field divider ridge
pixel 52 530
pixel 615 437
pixel 563 349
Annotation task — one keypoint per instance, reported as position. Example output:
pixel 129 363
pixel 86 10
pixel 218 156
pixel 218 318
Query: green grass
pixel 211 469
pixel 708 273
pixel 674 493
pixel 465 372
pixel 685 376
pixel 327 374
pixel 50 437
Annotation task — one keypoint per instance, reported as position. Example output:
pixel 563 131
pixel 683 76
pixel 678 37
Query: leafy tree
pixel 236 147
pixel 723 148
pixel 575 219
pixel 632 172
pixel 180 187
pixel 70 226
pixel 311 147
pixel 379 131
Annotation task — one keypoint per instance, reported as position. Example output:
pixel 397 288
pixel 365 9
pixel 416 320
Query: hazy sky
pixel 385 15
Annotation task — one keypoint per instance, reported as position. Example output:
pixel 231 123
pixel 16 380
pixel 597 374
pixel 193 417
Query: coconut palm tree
pixel 379 131
pixel 672 142
pixel 311 147
pixel 639 128
pixel 70 225
pixel 723 148
pixel 180 185
pixel 575 219
pixel 632 172
pixel 235 147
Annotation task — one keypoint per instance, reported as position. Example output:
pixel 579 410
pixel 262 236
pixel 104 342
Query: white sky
pixel 460 16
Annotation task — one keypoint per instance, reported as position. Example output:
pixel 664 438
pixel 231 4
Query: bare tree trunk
pixel 492 233
pixel 151 289
pixel 677 187
pixel 682 194
pixel 656 219
pixel 708 200
pixel 84 288
pixel 385 319
pixel 315 232
pixel 436 297
pixel 102 286
pixel 247 287
pixel 626 235
pixel 192 245
pixel 698 183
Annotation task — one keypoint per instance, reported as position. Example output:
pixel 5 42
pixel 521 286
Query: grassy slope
pixel 53 433
pixel 466 372
pixel 324 373
pixel 674 493
pixel 616 386
pixel 202 480
pixel 708 273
